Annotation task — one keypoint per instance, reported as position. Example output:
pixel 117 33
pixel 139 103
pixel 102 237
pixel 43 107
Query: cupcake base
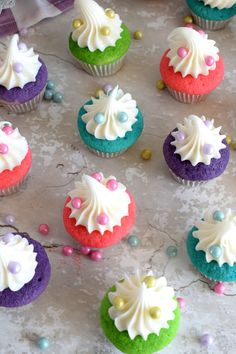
pixel 107 155
pixel 13 189
pixel 209 25
pixel 186 97
pixel 185 182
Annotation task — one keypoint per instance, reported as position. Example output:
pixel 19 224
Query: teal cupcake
pixel 99 40
pixel 212 14
pixel 211 246
pixel 110 123
pixel 140 314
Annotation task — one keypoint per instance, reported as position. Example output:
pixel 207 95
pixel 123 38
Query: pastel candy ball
pixel 48 95
pixel 171 251
pixel 76 203
pixel 97 176
pixel 122 117
pixel 8 237
pixel 18 67
pixel 215 251
pixel 50 85
pixel 57 97
pixel 207 339
pixel 182 52
pixel 99 118
pixel 219 288
pixel 14 267
pixel 107 88
pixel 133 241
pixel 208 149
pixel 42 343
pixel 3 149
pixel 96 256
pixel 112 184
pixel 102 219
pixel 67 250
pixel 218 215
pixel 85 250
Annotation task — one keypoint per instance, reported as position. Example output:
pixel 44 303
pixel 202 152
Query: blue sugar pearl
pixel 215 251
pixel 42 343
pixel 218 215
pixel 50 85
pixel 133 241
pixel 58 97
pixel 122 117
pixel 48 95
pixel 99 118
pixel 171 251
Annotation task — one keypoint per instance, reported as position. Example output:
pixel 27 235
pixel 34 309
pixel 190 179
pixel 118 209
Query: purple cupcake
pixel 25 270
pixel 23 78
pixel 195 151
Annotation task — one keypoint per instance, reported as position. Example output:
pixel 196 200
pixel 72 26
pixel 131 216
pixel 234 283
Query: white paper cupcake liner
pixel 186 97
pixel 209 24
pixel 186 182
pixel 107 155
pixel 23 107
pixel 13 189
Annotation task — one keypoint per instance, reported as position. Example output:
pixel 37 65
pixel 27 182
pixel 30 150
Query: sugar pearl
pixel 182 52
pixel 22 46
pixel 188 19
pixel 171 251
pixel 57 97
pixel 146 154
pixel 99 118
pixel 118 302
pixel 179 136
pixel 8 237
pixel 160 85
pixel 133 241
pixel 209 60
pixel 102 219
pixel 97 176
pixel 50 85
pixel 208 149
pixel 107 88
pixel 150 281
pixel 3 149
pixel 122 117
pixel 219 288
pixel 105 31
pixel 8 130
pixel 10 219
pixel 67 250
pixel 218 215
pixel 14 267
pixel 43 229
pixel 207 339
pixel 76 203
pixel 48 94
pixel 138 35
pixel 18 67
pixel 96 256
pixel 85 250
pixel 42 343
pixel 215 251
pixel 181 302
pixel 112 184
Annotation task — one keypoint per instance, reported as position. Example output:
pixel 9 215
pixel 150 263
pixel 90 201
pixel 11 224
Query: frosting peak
pixel 21 65
pixel 191 52
pixel 97 30
pixel 220 4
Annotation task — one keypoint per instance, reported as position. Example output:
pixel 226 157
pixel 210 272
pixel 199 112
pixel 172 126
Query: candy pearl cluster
pixel 51 94
pixel 95 255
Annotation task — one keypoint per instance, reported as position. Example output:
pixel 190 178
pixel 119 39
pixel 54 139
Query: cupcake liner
pixel 23 107
pixel 186 97
pixel 13 189
pixel 185 182
pixel 107 155
pixel 210 25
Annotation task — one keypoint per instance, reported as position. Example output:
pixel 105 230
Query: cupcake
pixel 195 151
pixel 110 123
pixel 140 314
pixel 99 41
pixel 191 67
pixel 212 14
pixel 211 246
pixel 23 78
pixel 99 211
pixel 15 159
pixel 25 269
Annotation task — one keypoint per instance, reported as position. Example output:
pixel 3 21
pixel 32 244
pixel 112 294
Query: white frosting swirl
pixel 17 250
pixel 110 105
pixel 198 49
pixel 96 199
pixel 138 300
pixel 221 233
pixel 17 148
pixel 197 135
pixel 31 64
pixel 94 18
pixel 220 4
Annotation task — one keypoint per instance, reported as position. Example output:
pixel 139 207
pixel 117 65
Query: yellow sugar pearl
pixel 110 13
pixel 146 154
pixel 160 85
pixel 138 34
pixel 228 139
pixel 105 31
pixel 155 312
pixel 99 93
pixel 150 281
pixel 188 19
pixel 77 23
pixel 233 145
pixel 118 302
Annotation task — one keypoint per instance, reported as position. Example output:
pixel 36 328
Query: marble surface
pixel 68 311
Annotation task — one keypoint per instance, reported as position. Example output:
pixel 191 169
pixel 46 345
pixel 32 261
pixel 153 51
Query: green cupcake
pixel 140 314
pixel 99 41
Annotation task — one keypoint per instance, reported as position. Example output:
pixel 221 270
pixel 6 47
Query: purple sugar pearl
pixel 22 46
pixel 8 237
pixel 179 136
pixel 14 267
pixel 208 149
pixel 207 339
pixel 107 88
pixel 18 68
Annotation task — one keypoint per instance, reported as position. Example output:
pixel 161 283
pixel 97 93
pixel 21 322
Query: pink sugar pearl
pixel 8 130
pixel 43 229
pixel 209 60
pixel 3 149
pixel 96 256
pixel 202 33
pixel 67 250
pixel 181 302
pixel 182 52
pixel 112 184
pixel 76 203
pixel 102 219
pixel 85 250
pixel 97 176
pixel 219 288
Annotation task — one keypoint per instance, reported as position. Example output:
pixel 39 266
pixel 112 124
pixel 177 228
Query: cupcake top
pixel 110 116
pixel 220 4
pixel 97 28
pixel 17 262
pixel 20 66
pixel 191 52
pixel 13 147
pixel 197 140
pixel 216 235
pixel 142 305
pixel 98 203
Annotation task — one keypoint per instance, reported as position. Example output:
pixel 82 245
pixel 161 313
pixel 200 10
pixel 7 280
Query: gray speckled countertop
pixel 67 312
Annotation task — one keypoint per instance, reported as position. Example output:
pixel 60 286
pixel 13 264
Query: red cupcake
pixel 15 159
pixel 99 211
pixel 191 67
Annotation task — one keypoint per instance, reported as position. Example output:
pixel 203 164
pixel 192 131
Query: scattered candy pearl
pixel 18 68
pixel 8 237
pixel 182 52
pixel 219 288
pixel 76 203
pixel 23 32
pixel 85 250
pixel 10 219
pixel 133 241
pixel 181 302
pixel 102 219
pixel 96 256
pixel 3 149
pixel 215 251
pixel 107 88
pixel 208 149
pixel 105 31
pixel 209 60
pixel 201 32
pixel 146 154
pixel 67 250
pixel 97 176
pixel 99 118
pixel 22 46
pixel 208 123
pixel 43 229
pixel 188 19
pixel 218 215
pixel 48 94
pixel 160 85
pixel 112 184
pixel 8 130
pixel 42 343
pixel 171 251
pixel 207 339
pixel 14 267
pixel 138 35
pixel 77 23
pixel 57 97
pixel 228 139
pixel 110 13
pixel 122 117
pixel 180 136
pixel 50 85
